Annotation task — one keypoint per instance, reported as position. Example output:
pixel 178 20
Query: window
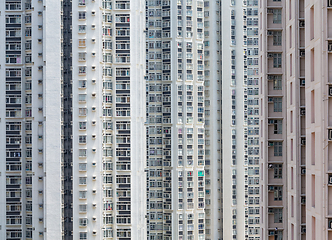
pixel 81 28
pixel 82 70
pixel 277 149
pixel 81 15
pixel 277 104
pixel 82 180
pixel 82 139
pixel 278 193
pixel 82 166
pixel 278 215
pixel 82 56
pixel 28 32
pixel 82 84
pixel 277 38
pixel 82 208
pixel 83 235
pixel 82 153
pixel 81 3
pixel 277 82
pixel 81 42
pixel 277 16
pixel 277 60
pixel 278 235
pixel 82 194
pixel 277 168
pixel 277 127
pixel 82 125
pixel 82 97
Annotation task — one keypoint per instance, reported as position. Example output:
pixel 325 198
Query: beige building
pixel 295 119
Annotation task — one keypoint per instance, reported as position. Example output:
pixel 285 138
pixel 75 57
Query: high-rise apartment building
pixel 239 95
pixel 139 119
pixel 295 119
pixel 30 62
pixel 175 106
pixel 70 167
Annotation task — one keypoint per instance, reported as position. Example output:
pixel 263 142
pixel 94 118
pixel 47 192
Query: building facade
pixel 69 154
pixel 139 119
pixel 30 76
pixel 295 119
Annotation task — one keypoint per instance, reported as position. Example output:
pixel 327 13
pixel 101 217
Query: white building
pixel 108 104
pixel 30 66
pixel 155 131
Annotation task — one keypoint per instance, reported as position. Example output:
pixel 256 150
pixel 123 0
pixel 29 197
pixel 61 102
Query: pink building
pixel 296 119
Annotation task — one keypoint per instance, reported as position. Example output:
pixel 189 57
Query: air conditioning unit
pixel 93 137
pixel 303 170
pixel 93 81
pixel 40 220
pixel 40 27
pixel 93 54
pixel 40 109
pixel 40 14
pixel 94 232
pixel 301 24
pixel 271 232
pixel 40 54
pixel 270 166
pixel 302 140
pixel 329 223
pixel 270 144
pixel 40 137
pixel 40 40
pixel 94 177
pixel 40 191
pixel 270 121
pixel 94 192
pixel 302 199
pixel 270 55
pixel 40 178
pixel 93 40
pixel 302 52
pixel 93 164
pixel 41 234
pixel 270 33
pixel 40 150
pixel 329 134
pixel 40 205
pixel 270 99
pixel 93 109
pixel 94 150
pixel 302 111
pixel 93 123
pixel 330 179
pixel 303 229
pixel 302 82
pixel 40 81
pixel 93 68
pixel 40 68
pixel 94 205
pixel 93 94
pixel 93 26
pixel 270 11
pixel 40 164
pixel 330 91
